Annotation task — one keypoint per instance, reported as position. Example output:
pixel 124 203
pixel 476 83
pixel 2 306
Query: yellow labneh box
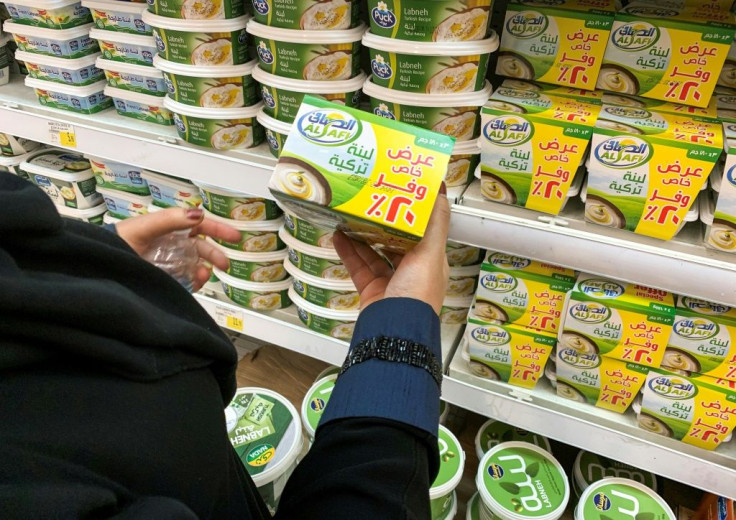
pixel 373 178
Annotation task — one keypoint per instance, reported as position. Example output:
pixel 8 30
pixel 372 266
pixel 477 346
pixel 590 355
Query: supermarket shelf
pixel 587 427
pixel 683 265
pixel 112 136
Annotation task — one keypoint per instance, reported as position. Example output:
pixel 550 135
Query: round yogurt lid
pixel 428 100
pixel 212 113
pixel 382 43
pixel 452 464
pixel 324 283
pixel 265 430
pixel 272 123
pixel 199 71
pixel 135 97
pixel 614 498
pixel 590 467
pixel 57 163
pixel 300 36
pixel 520 481
pixel 71 90
pixel 298 245
pixel 321 311
pixel 269 256
pixel 247 285
pixel 189 25
pixel 315 401
pixel 121 37
pixel 492 433
pixel 472 510
pixel 309 86
pixel 247 225
pixel 64 63
pixel 328 371
pixel 129 68
pixel 51 34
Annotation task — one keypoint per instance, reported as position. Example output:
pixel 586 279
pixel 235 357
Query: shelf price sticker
pixel 62 134
pixel 229 318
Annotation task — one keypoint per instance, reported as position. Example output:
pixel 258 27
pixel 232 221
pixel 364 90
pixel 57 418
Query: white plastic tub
pixel 269 458
pixel 12 164
pixel 620 494
pixel 339 295
pixel 337 324
pixel 127 48
pixel 430 67
pixel 320 262
pixel 107 219
pixel 218 128
pixel 255 295
pixel 123 205
pixel 463 162
pixel 207 43
pixel 282 97
pixel 63 43
pixel 118 176
pixel 314 403
pixel 136 78
pixel 589 468
pixel 455 309
pixel 89 99
pixel 309 55
pixel 235 205
pixel 442 498
pixel 65 177
pixel 456 115
pixel 118 16
pixel 276 132
pixel 5 58
pixel 11 146
pixel 223 86
pixel 256 236
pixel 492 433
pixel 78 71
pixel 463 280
pixel 170 191
pixel 254 267
pixel 308 232
pixel 139 106
pixel 91 215
pixel 50 14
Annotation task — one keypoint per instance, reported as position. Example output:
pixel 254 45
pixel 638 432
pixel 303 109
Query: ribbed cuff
pixel 386 389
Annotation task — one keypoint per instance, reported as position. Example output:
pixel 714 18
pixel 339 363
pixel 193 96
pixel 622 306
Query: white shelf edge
pixel 587 427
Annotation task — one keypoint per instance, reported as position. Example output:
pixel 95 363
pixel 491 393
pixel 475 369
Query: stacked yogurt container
pixel 465 263
pixel 127 58
pixel 304 47
pixel 68 180
pixel 123 187
pixel 256 277
pixel 54 42
pixel 327 301
pixel 202 53
pixel 428 66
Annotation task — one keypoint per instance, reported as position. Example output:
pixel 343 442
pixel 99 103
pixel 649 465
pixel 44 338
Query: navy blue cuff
pixel 386 389
pixel 110 227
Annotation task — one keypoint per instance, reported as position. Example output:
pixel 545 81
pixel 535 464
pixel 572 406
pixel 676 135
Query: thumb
pixel 435 236
pixel 140 231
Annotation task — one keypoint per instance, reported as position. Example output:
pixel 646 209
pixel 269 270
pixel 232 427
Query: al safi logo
pixel 383 16
pixel 508 130
pixel 731 175
pixel 623 151
pixel 676 388
pixel 491 335
pixel 576 359
pixel 628 112
pixel 329 127
pixel 498 282
pixel 527 24
pixel 695 328
pixel 635 36
pixel 589 312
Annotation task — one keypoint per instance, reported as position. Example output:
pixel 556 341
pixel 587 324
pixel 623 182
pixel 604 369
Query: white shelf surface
pixel 610 434
pixel 683 266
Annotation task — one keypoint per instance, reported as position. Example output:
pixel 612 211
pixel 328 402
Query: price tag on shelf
pixel 62 134
pixel 229 318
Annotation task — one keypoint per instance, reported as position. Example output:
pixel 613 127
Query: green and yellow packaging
pixel 617 320
pixel 512 354
pixel 532 144
pixel 647 167
pixel 373 178
pixel 527 293
pixel 560 42
pixel 721 233
pixel 602 381
pixel 667 53
pixel 703 339
pixel 693 410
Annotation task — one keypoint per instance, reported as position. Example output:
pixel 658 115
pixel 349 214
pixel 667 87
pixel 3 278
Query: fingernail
pixel 443 188
pixel 194 214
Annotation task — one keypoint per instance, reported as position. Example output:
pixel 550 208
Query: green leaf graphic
pixel 512 488
pixel 533 469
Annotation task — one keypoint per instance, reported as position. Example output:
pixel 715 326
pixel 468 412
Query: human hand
pixel 421 274
pixel 140 232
